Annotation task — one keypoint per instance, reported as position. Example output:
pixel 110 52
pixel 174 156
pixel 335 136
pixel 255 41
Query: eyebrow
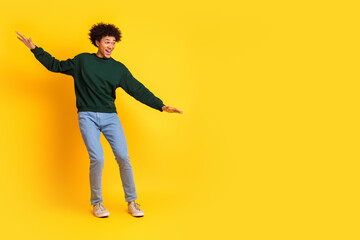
pixel 107 39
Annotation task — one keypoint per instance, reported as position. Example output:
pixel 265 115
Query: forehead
pixel 108 38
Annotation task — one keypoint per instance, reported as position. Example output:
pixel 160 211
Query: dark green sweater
pixel 96 80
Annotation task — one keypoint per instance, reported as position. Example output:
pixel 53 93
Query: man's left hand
pixel 171 109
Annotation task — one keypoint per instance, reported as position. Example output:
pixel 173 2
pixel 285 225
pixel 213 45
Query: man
pixel 96 77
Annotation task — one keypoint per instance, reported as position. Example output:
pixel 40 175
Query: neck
pixel 100 55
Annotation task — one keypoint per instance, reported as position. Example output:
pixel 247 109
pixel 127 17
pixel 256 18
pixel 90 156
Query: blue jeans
pixel 91 125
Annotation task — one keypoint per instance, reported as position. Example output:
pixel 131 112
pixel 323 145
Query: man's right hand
pixel 27 42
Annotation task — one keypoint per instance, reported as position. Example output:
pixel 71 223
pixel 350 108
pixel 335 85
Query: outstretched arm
pixel 142 94
pixel 51 63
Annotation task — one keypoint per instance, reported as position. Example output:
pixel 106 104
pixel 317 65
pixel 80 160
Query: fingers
pixel 26 41
pixel 178 111
pixel 20 39
pixel 172 110
pixel 22 36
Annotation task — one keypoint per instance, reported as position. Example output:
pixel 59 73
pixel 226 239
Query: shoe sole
pixel 136 215
pixel 102 216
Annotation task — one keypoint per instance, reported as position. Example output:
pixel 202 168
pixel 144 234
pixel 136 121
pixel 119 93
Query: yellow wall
pixel 267 147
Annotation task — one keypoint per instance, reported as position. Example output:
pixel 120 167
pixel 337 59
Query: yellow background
pixel 267 147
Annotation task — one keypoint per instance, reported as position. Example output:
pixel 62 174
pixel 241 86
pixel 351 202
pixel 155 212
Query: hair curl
pixel 100 30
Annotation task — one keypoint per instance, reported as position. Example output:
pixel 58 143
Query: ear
pixel 97 43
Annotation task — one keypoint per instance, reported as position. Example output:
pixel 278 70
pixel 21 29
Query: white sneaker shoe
pixel 100 211
pixel 135 210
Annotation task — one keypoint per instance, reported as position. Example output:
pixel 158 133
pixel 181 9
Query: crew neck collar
pixel 101 59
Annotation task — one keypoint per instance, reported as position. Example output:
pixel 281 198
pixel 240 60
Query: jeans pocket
pixel 81 115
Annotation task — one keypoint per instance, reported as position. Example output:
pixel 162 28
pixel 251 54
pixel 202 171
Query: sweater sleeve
pixel 52 64
pixel 137 90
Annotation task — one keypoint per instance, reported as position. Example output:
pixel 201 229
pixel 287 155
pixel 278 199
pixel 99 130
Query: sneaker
pixel 100 210
pixel 135 210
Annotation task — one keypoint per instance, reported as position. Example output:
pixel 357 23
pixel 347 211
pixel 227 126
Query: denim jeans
pixel 91 125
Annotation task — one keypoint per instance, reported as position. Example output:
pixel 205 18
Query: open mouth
pixel 107 51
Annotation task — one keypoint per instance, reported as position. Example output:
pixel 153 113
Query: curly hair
pixel 100 30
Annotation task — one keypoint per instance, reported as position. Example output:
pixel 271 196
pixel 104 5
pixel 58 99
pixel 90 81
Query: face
pixel 105 46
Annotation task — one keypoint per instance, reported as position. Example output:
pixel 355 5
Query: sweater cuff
pixel 36 49
pixel 160 109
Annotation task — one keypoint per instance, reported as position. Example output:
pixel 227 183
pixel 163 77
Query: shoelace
pixel 136 206
pixel 102 207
